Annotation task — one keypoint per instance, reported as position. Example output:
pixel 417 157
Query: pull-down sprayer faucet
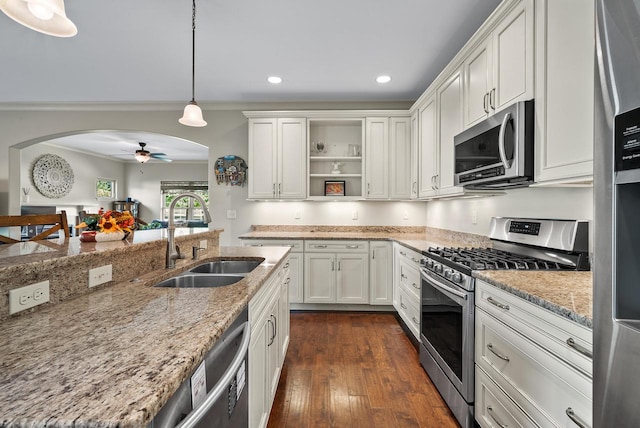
pixel 172 255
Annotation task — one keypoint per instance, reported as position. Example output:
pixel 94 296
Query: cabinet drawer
pixel 409 279
pixel 494 409
pixel 296 245
pixel 532 377
pixel 259 301
pixel 337 246
pixel 409 311
pixel 410 256
pixel 547 329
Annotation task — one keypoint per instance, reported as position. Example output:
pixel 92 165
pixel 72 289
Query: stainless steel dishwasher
pixel 221 401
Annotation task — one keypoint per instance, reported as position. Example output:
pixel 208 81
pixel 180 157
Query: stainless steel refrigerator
pixel 616 271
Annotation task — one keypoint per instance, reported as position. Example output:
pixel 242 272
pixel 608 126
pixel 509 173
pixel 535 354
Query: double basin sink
pixel 215 273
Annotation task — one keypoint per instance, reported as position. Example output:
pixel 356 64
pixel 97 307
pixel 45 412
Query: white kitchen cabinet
pixel 277 158
pixel 268 342
pixel 380 273
pixel 499 72
pixel 388 159
pixel 449 97
pixel 564 96
pixel 336 272
pixel 415 150
pixel 296 263
pixel 336 144
pixel 406 287
pixel 524 350
pixel 428 154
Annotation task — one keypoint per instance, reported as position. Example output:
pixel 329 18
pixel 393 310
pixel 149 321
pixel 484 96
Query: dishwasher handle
pixel 197 414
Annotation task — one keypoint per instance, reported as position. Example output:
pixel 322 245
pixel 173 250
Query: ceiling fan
pixel 142 155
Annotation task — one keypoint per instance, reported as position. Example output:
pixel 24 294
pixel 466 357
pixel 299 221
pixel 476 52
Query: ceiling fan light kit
pixel 142 155
pixel 192 115
pixel 45 16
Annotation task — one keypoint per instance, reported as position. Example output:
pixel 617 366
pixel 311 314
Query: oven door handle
pixel 501 142
pixel 443 287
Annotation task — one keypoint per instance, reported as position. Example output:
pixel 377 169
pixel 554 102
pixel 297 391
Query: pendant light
pixel 45 16
pixel 192 115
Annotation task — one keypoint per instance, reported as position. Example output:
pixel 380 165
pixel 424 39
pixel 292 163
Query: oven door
pixel 447 330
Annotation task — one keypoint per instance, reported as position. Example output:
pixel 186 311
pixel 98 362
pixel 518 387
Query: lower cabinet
pixel 380 273
pixel 533 368
pixel 336 272
pixel 406 287
pixel 269 320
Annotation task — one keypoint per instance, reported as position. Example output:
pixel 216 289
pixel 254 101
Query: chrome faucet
pixel 173 255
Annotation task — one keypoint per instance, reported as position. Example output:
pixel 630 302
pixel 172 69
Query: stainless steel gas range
pixel 447 287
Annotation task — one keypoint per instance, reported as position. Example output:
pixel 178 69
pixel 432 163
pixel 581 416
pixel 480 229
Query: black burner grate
pixel 492 259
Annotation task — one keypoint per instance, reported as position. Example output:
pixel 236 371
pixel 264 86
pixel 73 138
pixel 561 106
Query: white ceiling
pixel 140 51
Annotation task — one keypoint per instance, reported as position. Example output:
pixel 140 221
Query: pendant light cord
pixel 193 53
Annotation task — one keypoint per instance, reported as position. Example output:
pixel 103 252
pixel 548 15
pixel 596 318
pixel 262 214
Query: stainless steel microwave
pixel 497 153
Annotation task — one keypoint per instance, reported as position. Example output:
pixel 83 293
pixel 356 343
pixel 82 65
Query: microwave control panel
pixel 485 173
pixel 627 140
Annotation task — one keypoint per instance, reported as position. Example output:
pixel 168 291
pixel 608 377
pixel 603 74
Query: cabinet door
pixel 450 124
pixel 415 141
pixel 478 80
pixel 319 278
pixel 377 157
pixel 401 160
pixel 283 319
pixel 292 159
pixel 296 269
pixel 513 57
pixel 380 273
pixel 352 278
pixel 273 349
pixel 564 91
pixel 257 372
pixel 428 150
pixel 262 158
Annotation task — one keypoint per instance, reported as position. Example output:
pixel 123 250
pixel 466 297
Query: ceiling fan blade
pixel 160 156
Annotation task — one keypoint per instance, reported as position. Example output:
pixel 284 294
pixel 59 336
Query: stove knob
pixel 430 264
pixel 457 277
pixel 447 273
pixel 438 268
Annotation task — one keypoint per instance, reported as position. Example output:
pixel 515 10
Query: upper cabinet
pixel 388 157
pixel 428 164
pixel 277 156
pixel 565 57
pixel 499 71
pixel 449 98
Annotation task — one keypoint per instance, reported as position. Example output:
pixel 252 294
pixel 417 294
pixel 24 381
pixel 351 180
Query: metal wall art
pixel 231 170
pixel 52 176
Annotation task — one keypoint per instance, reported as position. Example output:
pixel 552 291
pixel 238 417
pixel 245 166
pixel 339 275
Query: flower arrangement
pixel 115 223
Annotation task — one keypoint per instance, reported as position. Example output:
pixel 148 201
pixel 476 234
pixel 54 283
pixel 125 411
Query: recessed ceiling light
pixel 383 79
pixel 274 79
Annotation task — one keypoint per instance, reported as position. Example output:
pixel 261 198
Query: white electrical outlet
pixel 28 296
pixel 297 215
pixel 99 275
pixel 203 244
pixel 474 216
pixel 231 214
pixel 354 215
pixel 405 215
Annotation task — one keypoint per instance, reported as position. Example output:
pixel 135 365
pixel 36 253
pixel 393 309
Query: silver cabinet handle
pixel 490 412
pixel 576 420
pixel 339 264
pixel 403 306
pixel 353 246
pixel 332 265
pixel 484 103
pixel 498 304
pixel 403 253
pixel 275 326
pixel 415 321
pixel 288 281
pixel 274 189
pixel 496 353
pixel 289 245
pixel 403 276
pixel 319 246
pixel 273 335
pixel 413 259
pixel 492 99
pixel 584 351
pixel 414 187
pixel 501 142
pixel 433 180
pixel 256 245
pixel 416 286
pixel 373 254
pixel 286 266
pixel 280 188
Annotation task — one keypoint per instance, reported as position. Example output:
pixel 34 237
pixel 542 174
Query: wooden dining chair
pixel 58 222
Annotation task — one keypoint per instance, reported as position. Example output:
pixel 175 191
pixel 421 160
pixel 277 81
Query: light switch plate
pixel 28 296
pixel 203 244
pixel 231 214
pixel 99 275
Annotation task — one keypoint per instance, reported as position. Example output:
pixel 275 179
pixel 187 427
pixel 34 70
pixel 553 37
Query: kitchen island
pixel 114 356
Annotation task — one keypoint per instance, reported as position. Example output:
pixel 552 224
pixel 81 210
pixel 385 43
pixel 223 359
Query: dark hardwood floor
pixel 354 370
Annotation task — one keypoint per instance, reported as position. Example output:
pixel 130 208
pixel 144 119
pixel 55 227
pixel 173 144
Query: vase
pixel 94 236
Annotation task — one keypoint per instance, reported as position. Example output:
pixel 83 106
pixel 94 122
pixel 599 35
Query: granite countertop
pixel 569 294
pixel 113 357
pixel 566 293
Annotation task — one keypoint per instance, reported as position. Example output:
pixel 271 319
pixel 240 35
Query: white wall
pixel 143 182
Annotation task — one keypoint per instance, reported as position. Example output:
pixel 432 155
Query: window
pixel 186 208
pixel 105 188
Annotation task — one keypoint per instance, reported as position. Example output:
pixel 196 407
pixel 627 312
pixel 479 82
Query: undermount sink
pixel 227 266
pixel 199 281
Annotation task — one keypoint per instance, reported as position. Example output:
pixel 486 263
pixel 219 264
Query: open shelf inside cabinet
pixel 335 144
